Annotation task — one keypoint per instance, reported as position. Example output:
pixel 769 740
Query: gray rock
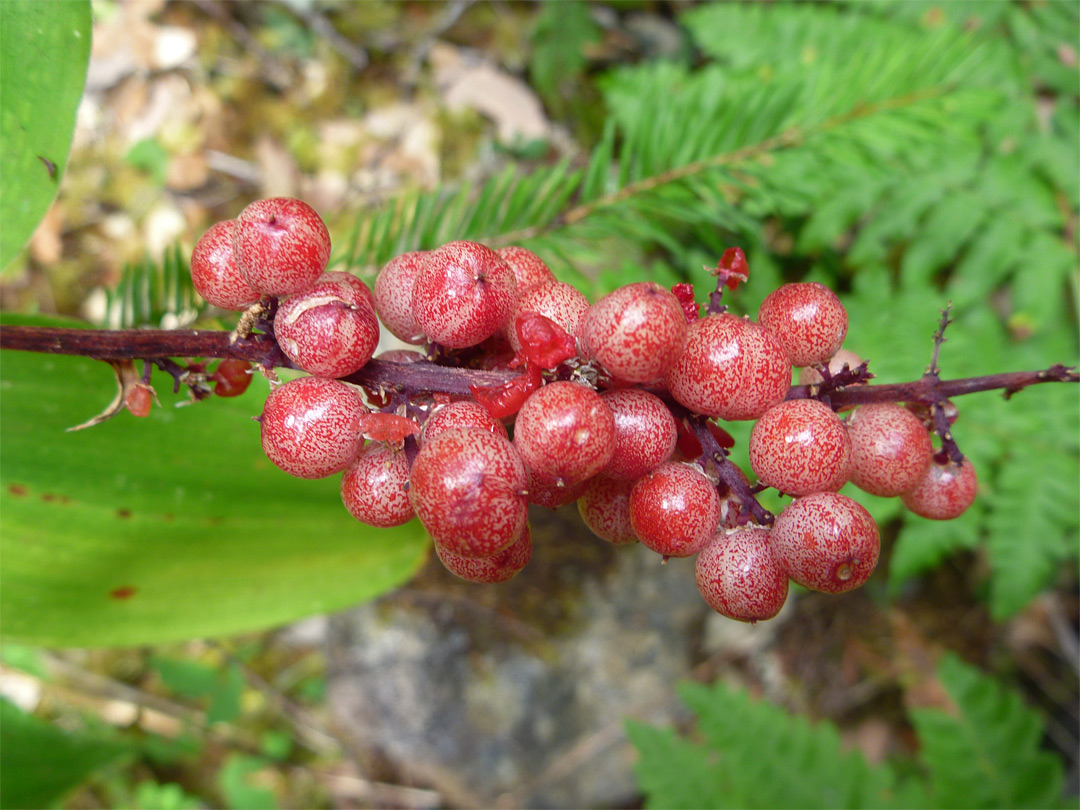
pixel 515 695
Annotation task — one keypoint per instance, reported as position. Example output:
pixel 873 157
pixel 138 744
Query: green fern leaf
pixel 674 773
pixel 987 754
pixel 151 294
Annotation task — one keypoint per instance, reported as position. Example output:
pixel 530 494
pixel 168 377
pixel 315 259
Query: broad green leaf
pixel 170 527
pixel 989 754
pixel 194 679
pixel 39 763
pixel 44 51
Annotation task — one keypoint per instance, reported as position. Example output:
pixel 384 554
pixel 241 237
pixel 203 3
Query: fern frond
pixel 152 294
pixel 987 754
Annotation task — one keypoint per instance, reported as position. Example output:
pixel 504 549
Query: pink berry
pixel 463 294
pixel 467 486
pixel 809 320
pixel 842 359
pixel 551 493
pixel 403 356
pixel 393 296
pixel 373 487
pixel 890 449
pixel 826 542
pixel 944 491
pixel 311 426
pixel 605 507
pixel 560 302
pixel 497 568
pixel 214 272
pixel 800 446
pixel 461 414
pixel 282 245
pixel 674 509
pixel 565 431
pixel 739 575
pixel 529 269
pixel 730 368
pixel 645 433
pixel 635 332
pixel 330 328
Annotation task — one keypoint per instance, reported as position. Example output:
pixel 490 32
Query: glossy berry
pixel 551 493
pixel 800 446
pixel 214 272
pixel 565 431
pixel 674 509
pixel 605 507
pixel 944 491
pixel 468 488
pixel 393 296
pixel 282 245
pixel 635 332
pixel 843 358
pixel 463 294
pixel 730 368
pixel 560 302
pixel 311 426
pixel 461 414
pixel 330 328
pixel 890 449
pixel 826 542
pixel 231 378
pixel 740 577
pixel 529 269
pixel 373 487
pixel 497 568
pixel 808 319
pixel 645 433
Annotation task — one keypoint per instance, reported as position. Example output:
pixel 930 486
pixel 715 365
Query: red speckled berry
pixel 214 272
pixel 635 332
pixel 826 542
pixel 739 575
pixel 605 508
pixel 842 358
pixel 461 414
pixel 645 433
pixel 393 296
pixel 565 431
pixel 551 493
pixel 330 328
pixel 560 302
pixel 468 488
pixel 800 446
pixel 944 491
pixel 139 399
pixel 463 294
pixel 498 568
pixel 529 269
pixel 890 449
pixel 311 426
pixel 373 487
pixel 674 509
pixel 730 368
pixel 809 320
pixel 282 245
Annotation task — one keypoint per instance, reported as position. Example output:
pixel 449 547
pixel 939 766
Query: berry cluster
pixel 615 406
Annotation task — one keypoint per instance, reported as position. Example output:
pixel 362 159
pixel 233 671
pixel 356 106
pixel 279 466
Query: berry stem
pixel 422 377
